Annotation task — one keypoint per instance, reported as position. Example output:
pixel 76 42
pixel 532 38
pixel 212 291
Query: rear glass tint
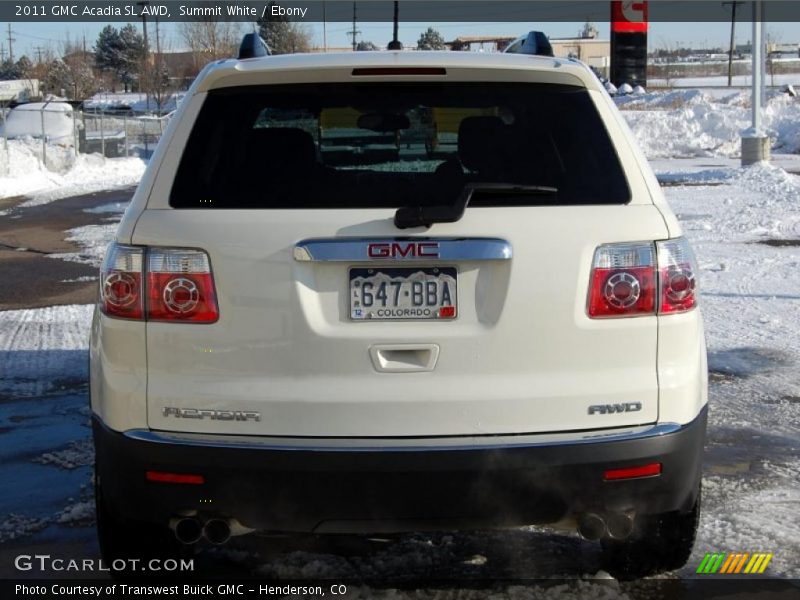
pixel 391 145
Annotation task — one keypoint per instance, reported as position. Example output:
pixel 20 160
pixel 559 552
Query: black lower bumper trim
pixel 307 490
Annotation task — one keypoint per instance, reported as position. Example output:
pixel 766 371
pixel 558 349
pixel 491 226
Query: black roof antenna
pixel 253 47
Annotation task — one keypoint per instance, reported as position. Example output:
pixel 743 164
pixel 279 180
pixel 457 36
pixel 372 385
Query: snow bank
pixel 690 123
pixel 22 172
pixel 136 102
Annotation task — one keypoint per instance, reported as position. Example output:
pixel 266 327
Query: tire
pixel 124 539
pixel 659 543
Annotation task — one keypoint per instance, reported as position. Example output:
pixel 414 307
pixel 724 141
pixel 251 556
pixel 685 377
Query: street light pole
pixel 755 145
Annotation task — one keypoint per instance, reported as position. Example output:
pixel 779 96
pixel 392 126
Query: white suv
pixel 399 291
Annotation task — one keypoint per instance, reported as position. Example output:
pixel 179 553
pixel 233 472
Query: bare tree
pixel 210 40
pixel 155 80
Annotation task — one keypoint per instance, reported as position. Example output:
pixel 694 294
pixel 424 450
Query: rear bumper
pixel 378 490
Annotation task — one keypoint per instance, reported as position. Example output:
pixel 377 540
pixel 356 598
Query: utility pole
pixel 144 24
pixel 396 44
pixel 146 50
pixel 10 46
pixel 354 33
pixel 38 50
pixel 733 6
pixel 2 53
pixel 755 144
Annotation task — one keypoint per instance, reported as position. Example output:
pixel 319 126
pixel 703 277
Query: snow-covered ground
pixel 722 80
pixel 22 172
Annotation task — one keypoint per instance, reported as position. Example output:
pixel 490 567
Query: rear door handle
pixel 404 358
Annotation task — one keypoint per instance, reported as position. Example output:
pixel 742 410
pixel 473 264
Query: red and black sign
pixel 629 42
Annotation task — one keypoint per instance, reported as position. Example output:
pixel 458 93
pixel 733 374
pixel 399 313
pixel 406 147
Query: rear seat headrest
pixel 280 149
pixel 478 140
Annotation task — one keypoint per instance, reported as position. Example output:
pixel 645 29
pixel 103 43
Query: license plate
pixel 403 293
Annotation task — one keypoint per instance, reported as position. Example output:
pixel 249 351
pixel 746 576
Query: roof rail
pixel 253 47
pixel 535 43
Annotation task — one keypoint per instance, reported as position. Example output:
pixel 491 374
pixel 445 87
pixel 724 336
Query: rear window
pixel 391 145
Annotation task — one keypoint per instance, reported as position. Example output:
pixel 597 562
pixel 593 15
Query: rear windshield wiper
pixel 425 216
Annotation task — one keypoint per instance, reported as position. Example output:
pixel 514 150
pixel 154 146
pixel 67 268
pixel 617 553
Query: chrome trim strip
pixel 358 249
pixel 489 442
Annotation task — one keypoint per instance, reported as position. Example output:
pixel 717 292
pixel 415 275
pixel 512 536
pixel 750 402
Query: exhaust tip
pixel 187 530
pixel 217 531
pixel 591 526
pixel 620 525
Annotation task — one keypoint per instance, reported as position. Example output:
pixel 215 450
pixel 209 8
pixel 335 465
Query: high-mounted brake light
pixel 623 281
pixel 121 293
pixel 374 71
pixel 176 285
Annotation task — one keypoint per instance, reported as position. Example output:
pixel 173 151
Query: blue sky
pixel 53 35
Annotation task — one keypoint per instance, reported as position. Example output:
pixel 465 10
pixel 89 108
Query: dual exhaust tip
pixel 592 526
pixel 595 526
pixel 190 530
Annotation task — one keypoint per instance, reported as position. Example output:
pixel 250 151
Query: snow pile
pixel 79 453
pixel 691 123
pixel 767 207
pixel 23 173
pixel 78 513
pixel 136 102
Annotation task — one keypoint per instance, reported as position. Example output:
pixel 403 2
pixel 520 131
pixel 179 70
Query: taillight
pixel 176 285
pixel 121 293
pixel 642 278
pixel 676 272
pixel 180 286
pixel 623 280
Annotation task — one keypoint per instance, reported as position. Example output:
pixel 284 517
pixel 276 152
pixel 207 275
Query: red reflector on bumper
pixel 161 477
pixel 633 472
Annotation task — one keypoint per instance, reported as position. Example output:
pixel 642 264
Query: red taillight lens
pixel 180 286
pixel 121 293
pixel 676 271
pixel 177 284
pixel 623 281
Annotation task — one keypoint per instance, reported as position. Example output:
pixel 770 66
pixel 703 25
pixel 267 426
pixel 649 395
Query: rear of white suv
pixel 385 292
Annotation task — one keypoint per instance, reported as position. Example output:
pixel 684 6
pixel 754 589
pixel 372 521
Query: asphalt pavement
pixel 33 275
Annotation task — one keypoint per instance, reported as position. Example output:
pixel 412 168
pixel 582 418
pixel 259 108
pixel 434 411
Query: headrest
pixel 282 148
pixel 478 141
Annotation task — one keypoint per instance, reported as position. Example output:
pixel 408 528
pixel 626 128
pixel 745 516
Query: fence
pixel 54 132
